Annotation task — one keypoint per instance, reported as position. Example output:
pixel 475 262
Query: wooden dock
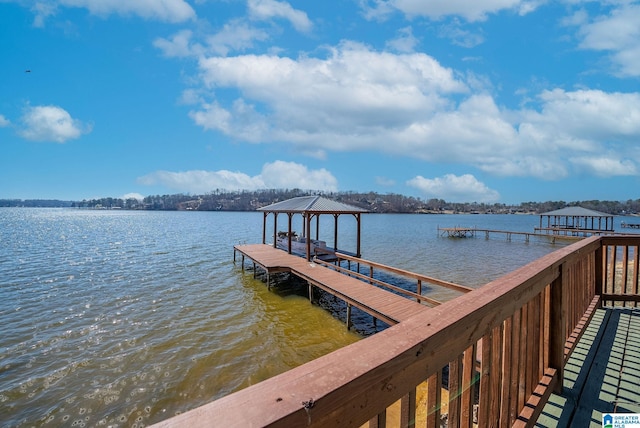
pixel 381 304
pixel 470 232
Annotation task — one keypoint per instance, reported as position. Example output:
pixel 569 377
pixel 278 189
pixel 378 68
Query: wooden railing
pixel 373 267
pixel 621 260
pixel 490 357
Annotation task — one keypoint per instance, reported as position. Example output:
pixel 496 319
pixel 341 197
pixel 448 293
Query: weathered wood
pixel 496 373
pixel 636 271
pixel 514 367
pixel 434 399
pixel 505 393
pixel 535 403
pixel 484 406
pixel 522 360
pixel 557 318
pixel 371 280
pixel 455 388
pixel 469 385
pixel 378 303
pixel 408 410
pixel 379 421
pixel 406 273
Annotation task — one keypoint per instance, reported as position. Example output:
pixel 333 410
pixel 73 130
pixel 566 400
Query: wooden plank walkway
pixel 602 374
pixel 381 304
pixel 465 232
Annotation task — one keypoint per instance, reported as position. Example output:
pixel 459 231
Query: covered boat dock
pixel 575 221
pixel 309 207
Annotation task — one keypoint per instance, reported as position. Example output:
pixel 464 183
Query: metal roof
pixel 576 212
pixel 316 204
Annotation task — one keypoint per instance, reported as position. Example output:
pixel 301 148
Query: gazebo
pixel 310 207
pixel 576 220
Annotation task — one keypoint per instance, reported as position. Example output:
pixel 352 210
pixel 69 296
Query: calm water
pixel 125 318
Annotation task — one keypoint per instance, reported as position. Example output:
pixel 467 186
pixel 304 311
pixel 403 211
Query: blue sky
pixel 464 100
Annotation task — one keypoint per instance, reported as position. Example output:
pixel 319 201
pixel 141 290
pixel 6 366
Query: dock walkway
pixel 381 304
pixel 602 374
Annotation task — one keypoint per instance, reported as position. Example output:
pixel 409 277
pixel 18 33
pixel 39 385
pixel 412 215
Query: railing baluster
pixel 516 356
pixel 469 385
pixel 496 372
pixel 506 373
pixel 455 391
pixel 379 421
pixel 408 410
pixel 522 366
pixel 434 400
pixel 484 406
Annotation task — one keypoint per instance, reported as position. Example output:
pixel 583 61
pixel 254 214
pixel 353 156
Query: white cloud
pixel 454 188
pixel 406 42
pixel 459 36
pixel 236 35
pixel 470 10
pixel 267 9
pixel 51 123
pixel 386 182
pixel 606 166
pixel 162 10
pixel 356 99
pixel 345 93
pixel 276 175
pixel 617 33
pixel 580 119
pixel 136 196
pixel 178 46
pixel 4 122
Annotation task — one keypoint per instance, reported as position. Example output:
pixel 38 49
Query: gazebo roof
pixel 576 212
pixel 314 204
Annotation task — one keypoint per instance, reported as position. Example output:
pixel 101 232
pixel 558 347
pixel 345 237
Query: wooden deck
pixel 380 304
pixel 555 353
pixel 602 375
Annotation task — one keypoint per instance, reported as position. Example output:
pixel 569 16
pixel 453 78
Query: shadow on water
pixel 286 285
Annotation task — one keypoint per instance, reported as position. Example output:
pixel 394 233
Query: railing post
pixel 557 325
pixel 599 270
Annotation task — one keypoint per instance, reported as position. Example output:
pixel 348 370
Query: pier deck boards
pixel 602 374
pixel 379 303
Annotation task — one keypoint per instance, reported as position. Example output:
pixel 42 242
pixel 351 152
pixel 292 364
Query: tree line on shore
pixel 220 200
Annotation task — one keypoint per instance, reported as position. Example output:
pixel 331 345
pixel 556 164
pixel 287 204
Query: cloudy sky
pixel 464 100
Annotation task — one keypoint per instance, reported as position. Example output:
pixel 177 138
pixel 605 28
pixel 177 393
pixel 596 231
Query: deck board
pixel 377 302
pixel 602 375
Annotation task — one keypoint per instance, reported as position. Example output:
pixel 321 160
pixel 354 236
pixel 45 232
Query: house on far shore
pixel 575 221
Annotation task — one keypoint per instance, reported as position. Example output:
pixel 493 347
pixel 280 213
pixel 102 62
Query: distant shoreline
pixel 243 201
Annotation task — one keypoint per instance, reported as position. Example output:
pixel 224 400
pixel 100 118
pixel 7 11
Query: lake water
pixel 125 318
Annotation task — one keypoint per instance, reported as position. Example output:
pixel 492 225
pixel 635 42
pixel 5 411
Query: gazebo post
pixel 308 222
pixel 335 232
pixel 275 229
pixel 264 227
pixel 289 236
pixel 358 237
